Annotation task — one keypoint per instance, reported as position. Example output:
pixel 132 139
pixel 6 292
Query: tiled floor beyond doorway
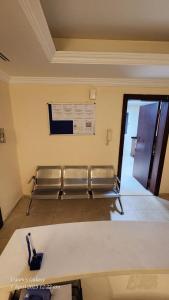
pixel 45 212
pixel 129 185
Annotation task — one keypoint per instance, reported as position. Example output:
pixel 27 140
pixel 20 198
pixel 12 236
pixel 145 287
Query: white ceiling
pixel 19 42
pixel 108 19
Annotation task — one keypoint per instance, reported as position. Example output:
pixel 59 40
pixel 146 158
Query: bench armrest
pixel 33 178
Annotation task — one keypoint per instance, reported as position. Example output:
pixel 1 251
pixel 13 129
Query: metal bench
pixel 104 183
pixel 75 182
pixel 46 184
pixel 50 182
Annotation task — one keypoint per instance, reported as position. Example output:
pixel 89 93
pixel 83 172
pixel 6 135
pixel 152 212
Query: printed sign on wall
pixel 76 119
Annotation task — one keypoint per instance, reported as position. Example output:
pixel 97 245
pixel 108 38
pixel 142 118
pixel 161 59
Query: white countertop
pixel 79 250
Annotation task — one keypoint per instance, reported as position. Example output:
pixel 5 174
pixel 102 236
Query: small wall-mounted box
pixel 2 135
pixel 92 94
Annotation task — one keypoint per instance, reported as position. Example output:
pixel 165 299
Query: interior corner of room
pixel 10 183
pixel 28 143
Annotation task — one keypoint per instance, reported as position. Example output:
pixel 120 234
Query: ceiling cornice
pixel 110 58
pixel 4 76
pixel 146 82
pixel 37 20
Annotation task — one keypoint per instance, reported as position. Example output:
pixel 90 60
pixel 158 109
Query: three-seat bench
pixel 70 182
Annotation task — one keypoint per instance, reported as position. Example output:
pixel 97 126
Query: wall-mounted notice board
pixel 76 119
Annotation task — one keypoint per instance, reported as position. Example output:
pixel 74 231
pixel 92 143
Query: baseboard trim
pixel 164 196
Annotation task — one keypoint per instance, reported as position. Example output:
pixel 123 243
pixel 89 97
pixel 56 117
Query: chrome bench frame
pixel 104 183
pixel 46 184
pixel 75 182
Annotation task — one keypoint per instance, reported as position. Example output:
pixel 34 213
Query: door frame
pixel 148 98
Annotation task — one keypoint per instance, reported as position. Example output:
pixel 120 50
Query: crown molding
pixel 37 20
pixel 35 15
pixel 4 76
pixel 110 58
pixel 146 82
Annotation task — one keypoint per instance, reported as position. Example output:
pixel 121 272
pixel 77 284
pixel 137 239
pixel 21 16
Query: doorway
pixel 144 134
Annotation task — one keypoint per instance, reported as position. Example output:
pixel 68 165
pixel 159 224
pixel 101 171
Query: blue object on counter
pixel 38 294
pixel 34 258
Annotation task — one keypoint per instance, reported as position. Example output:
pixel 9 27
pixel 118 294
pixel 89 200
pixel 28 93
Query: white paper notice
pixel 82 115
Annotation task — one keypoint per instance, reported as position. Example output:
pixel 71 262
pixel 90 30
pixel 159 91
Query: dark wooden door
pixel 160 148
pixel 145 140
pixel 1 221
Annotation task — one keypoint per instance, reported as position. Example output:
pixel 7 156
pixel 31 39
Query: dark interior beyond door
pixel 145 141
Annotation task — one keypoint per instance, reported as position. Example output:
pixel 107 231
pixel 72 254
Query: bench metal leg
pixel 29 207
pixel 121 206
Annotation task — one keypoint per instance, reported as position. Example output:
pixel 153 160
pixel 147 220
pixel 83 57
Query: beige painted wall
pixel 10 184
pixel 36 146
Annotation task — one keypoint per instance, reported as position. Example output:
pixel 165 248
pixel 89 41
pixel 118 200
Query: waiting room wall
pixel 37 147
pixel 10 184
pixel 165 176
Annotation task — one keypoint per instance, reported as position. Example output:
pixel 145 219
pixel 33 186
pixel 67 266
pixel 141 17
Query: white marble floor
pixel 129 185
pixel 142 208
pixel 138 286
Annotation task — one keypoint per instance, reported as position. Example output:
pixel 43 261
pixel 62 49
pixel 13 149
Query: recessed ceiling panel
pixel 27 58
pixel 108 19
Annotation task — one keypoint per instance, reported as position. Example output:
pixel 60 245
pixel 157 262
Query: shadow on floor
pixel 47 212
